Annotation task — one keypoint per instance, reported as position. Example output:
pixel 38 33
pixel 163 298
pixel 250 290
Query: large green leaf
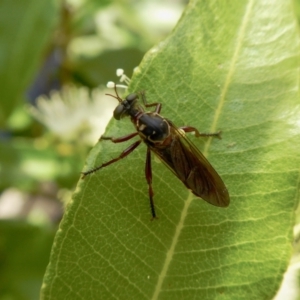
pixel 228 65
pixel 25 29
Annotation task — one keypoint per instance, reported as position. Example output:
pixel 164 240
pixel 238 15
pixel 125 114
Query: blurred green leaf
pixel 232 66
pixel 24 254
pixel 25 165
pixel 102 68
pixel 26 27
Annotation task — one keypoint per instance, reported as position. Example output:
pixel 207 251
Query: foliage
pixel 232 67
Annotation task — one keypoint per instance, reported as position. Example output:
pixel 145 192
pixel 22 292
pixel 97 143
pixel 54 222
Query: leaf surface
pixel 227 66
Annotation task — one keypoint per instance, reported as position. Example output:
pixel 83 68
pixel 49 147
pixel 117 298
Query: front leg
pixel 120 139
pixel 124 153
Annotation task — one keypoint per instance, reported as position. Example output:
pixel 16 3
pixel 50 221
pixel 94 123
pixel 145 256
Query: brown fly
pixel 171 145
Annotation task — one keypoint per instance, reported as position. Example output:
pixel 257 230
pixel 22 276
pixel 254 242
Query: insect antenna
pixel 115 87
pixel 111 84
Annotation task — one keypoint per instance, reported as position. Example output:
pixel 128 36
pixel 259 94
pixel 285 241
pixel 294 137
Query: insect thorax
pixel 152 127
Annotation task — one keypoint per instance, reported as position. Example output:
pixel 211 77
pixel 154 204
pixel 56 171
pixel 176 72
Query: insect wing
pixel 193 169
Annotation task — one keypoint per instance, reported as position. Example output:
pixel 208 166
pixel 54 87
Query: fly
pixel 170 144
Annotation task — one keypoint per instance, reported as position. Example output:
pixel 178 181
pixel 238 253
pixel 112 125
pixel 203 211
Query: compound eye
pixel 132 97
pixel 118 112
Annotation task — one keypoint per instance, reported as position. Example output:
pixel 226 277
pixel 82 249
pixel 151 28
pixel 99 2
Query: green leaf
pixel 230 67
pixel 24 252
pixel 26 27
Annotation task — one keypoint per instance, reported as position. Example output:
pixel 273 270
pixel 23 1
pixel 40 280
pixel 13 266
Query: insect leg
pixel 156 104
pixel 148 174
pixel 198 134
pixel 120 139
pixel 126 152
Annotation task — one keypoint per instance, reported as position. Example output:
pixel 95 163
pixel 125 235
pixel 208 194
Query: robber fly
pixel 170 144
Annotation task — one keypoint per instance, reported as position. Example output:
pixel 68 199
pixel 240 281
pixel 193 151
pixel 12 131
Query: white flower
pixel 75 114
